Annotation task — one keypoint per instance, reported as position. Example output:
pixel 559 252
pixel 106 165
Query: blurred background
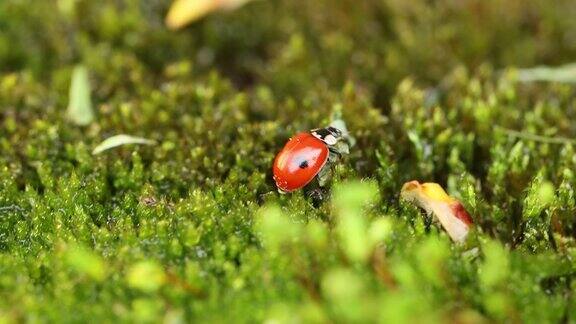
pixel 291 46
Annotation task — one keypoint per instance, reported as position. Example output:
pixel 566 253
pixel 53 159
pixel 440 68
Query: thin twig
pixel 11 208
pixel 537 138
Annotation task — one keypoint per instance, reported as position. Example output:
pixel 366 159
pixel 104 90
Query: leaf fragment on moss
pixel 119 140
pixel 449 211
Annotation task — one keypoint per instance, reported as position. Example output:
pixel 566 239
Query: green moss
pixel 193 229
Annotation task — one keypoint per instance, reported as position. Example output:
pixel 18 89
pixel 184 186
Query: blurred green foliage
pixel 193 228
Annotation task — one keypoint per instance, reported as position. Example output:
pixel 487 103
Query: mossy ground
pixel 193 228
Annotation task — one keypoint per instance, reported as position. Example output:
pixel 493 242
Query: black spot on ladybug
pixel 303 164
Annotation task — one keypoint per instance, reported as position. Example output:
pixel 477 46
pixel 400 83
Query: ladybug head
pixel 329 135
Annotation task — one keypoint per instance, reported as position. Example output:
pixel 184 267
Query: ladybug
pixel 308 155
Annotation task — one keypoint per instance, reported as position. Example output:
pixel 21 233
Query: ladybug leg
pixel 334 155
pixel 316 191
pixel 325 174
pixel 317 194
pixel 340 148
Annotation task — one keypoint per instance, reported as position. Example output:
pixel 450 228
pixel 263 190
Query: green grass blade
pixel 80 110
pixel 565 74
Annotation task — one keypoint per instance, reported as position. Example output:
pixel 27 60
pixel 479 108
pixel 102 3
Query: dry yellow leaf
pixel 447 210
pixel 184 12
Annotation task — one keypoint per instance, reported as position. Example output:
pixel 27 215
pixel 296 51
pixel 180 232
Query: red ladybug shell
pixel 299 162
